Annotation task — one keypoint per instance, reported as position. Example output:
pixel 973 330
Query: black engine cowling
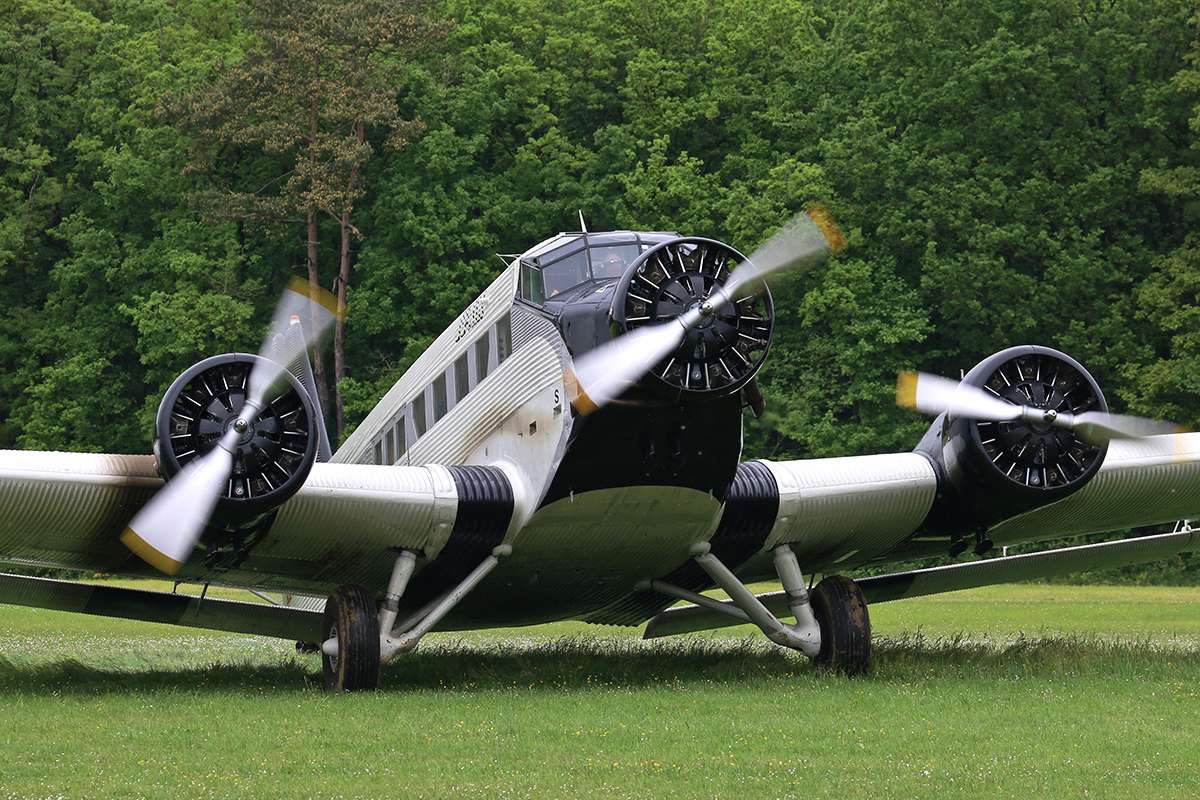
pixel 723 353
pixel 989 471
pixel 274 456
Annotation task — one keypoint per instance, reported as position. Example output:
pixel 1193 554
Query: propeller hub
pixel 240 425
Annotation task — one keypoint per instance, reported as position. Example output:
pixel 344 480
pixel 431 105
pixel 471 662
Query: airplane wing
pixel 68 510
pixel 836 513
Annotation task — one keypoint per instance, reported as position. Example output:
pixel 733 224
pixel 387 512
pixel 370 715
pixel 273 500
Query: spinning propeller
pixel 165 531
pixel 602 374
pixel 932 394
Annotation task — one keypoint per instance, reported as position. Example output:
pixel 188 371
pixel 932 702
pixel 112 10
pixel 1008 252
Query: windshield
pixel 565 273
pixel 611 260
pixel 539 283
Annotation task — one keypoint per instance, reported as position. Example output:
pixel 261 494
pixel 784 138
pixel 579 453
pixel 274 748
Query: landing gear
pixel 832 626
pixel 351 664
pixel 360 640
pixel 841 613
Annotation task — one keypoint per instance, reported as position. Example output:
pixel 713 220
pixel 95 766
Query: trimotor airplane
pixel 569 448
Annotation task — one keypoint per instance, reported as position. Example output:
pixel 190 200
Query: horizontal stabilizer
pixel 172 609
pixel 953 577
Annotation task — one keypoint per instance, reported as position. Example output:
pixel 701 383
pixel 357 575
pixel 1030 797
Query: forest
pixel 1007 172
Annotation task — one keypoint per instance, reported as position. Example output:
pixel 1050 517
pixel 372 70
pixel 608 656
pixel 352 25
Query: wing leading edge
pixel 67 510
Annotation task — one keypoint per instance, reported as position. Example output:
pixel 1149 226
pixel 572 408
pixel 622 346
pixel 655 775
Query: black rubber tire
pixel 841 612
pixel 350 616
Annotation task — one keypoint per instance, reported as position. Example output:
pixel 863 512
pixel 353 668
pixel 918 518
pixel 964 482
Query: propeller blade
pixel 165 531
pixel 803 242
pixel 1099 427
pixel 933 394
pixel 316 309
pixel 601 375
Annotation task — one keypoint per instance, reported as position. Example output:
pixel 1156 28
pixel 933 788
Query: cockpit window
pixel 611 260
pixel 565 273
pixel 545 272
pixel 531 284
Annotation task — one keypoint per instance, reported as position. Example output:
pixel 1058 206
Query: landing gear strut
pixel 832 626
pixel 360 640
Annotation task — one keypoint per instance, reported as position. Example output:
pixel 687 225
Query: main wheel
pixel 350 618
pixel 841 612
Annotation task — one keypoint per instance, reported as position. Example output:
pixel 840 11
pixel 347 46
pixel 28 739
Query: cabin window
pixel 531 284
pixel 440 405
pixel 418 414
pixel 401 437
pixel 389 447
pixel 482 352
pixel 503 338
pixel 379 452
pixel 462 381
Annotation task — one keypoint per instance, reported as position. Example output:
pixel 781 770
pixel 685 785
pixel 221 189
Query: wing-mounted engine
pixel 990 470
pixel 723 351
pixel 271 457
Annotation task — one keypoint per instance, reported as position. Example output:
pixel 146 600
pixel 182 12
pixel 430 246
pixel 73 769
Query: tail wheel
pixel 351 619
pixel 845 624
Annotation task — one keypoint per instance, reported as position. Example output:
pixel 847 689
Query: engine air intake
pixel 721 353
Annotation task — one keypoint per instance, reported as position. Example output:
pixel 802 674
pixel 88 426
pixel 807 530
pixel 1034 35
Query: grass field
pixel 1029 691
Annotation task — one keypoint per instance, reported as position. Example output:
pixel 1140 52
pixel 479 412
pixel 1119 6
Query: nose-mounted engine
pixel 722 353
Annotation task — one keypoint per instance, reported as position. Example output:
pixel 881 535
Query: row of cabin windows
pixel 412 424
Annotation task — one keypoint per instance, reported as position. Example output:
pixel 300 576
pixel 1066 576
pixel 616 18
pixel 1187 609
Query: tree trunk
pixel 339 324
pixel 314 286
pixel 314 278
pixel 339 333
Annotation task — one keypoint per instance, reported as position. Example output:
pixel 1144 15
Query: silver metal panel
pixel 1142 482
pixel 846 510
pixel 67 510
pixel 584 552
pixel 346 512
pixel 491 305
pixel 163 607
pixel 530 371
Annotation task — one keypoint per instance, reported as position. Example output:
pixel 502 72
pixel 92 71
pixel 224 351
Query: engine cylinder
pixel 989 471
pixel 720 355
pixel 272 458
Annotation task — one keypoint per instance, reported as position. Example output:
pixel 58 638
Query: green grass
pixel 1030 691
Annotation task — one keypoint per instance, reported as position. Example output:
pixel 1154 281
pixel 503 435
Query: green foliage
pixel 1007 172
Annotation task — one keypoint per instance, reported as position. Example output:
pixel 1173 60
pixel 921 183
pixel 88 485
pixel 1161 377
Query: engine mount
pixel 272 458
pixel 723 353
pixel 989 471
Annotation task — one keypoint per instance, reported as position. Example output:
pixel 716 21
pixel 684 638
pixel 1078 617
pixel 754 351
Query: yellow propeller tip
pixel 906 389
pixel 146 552
pixel 828 227
pixel 580 401
pixel 316 294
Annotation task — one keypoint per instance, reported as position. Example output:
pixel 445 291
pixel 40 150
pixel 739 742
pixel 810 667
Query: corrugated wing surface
pixel 1143 482
pixel 67 510
pixel 837 509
